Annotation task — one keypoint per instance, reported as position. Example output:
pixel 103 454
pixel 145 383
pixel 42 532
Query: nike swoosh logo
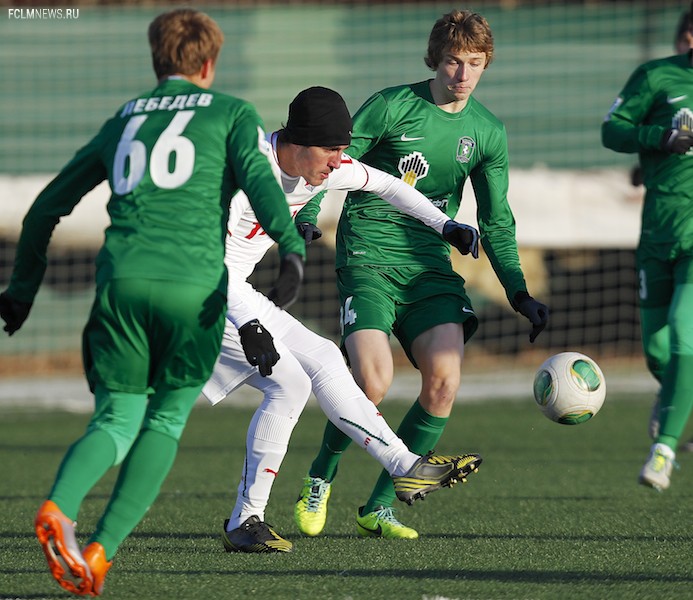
pixel 406 138
pixel 675 99
pixel 377 531
pixel 467 310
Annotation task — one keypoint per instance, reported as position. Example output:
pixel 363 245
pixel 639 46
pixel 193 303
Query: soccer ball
pixel 569 388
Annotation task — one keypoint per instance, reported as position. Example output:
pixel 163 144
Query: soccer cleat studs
pixel 431 472
pixel 56 534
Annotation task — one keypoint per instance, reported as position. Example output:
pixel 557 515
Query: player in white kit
pixel 307 158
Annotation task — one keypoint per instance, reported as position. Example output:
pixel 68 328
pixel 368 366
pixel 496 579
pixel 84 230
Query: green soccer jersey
pixel 400 130
pixel 173 158
pixel 658 96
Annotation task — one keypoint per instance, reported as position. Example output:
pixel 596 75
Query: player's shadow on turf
pixel 674 538
pixel 300 539
pixel 519 576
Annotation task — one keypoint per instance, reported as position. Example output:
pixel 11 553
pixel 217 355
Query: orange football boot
pixel 56 533
pixel 95 556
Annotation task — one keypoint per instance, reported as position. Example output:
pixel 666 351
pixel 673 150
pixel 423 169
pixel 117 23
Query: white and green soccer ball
pixel 569 388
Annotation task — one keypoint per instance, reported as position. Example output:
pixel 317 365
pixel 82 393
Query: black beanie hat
pixel 318 116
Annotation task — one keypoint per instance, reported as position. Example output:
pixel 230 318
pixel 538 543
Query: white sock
pixel 353 413
pixel 266 444
pixel 343 401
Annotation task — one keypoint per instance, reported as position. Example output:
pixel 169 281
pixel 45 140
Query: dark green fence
pixel 557 68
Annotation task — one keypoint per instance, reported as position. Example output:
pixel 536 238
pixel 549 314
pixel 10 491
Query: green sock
pixel 84 464
pixel 141 475
pixel 420 431
pixel 334 443
pixel 676 400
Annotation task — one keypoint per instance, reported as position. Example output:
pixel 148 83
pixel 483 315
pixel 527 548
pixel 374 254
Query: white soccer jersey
pixel 309 362
pixel 247 242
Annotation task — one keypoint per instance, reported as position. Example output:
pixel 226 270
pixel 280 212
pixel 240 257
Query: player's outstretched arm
pixel 84 172
pixel 394 191
pixel 413 203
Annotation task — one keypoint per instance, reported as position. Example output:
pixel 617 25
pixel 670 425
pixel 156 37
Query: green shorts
pixel 144 335
pixel 402 301
pixel 661 267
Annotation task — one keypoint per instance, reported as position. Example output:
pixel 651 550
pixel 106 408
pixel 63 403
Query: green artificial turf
pixel 554 512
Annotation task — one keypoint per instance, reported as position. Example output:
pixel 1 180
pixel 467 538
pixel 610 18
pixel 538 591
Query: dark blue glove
pixel 309 232
pixel 258 346
pixel 13 312
pixel 676 141
pixel 536 312
pixel 463 237
pixel 286 287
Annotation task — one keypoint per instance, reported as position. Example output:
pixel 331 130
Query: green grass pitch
pixel 554 512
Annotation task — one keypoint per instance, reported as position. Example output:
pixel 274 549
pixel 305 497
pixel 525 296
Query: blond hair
pixel 459 31
pixel 182 40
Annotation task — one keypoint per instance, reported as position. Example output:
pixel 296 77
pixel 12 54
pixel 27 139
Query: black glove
pixel 536 312
pixel 636 176
pixel 258 346
pixel 675 141
pixel 285 290
pixel 13 312
pixel 464 237
pixel 309 232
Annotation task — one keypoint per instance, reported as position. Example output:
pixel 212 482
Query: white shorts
pixel 232 368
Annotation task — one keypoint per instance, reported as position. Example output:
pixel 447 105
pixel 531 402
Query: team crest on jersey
pixel 413 167
pixel 465 148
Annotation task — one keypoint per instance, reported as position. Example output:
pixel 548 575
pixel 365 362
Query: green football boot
pixel 657 470
pixel 382 523
pixel 310 512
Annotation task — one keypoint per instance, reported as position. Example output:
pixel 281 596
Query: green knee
pixel 120 415
pixel 169 410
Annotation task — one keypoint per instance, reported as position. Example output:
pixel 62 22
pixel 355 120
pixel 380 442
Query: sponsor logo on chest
pixel 414 166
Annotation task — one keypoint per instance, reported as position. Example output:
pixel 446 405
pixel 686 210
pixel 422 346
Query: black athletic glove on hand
pixel 309 232
pixel 258 346
pixel 286 288
pixel 536 312
pixel 13 312
pixel 463 237
pixel 675 141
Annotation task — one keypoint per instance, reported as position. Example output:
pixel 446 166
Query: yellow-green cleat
pixel 432 472
pixel 254 536
pixel 657 470
pixel 310 511
pixel 382 523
